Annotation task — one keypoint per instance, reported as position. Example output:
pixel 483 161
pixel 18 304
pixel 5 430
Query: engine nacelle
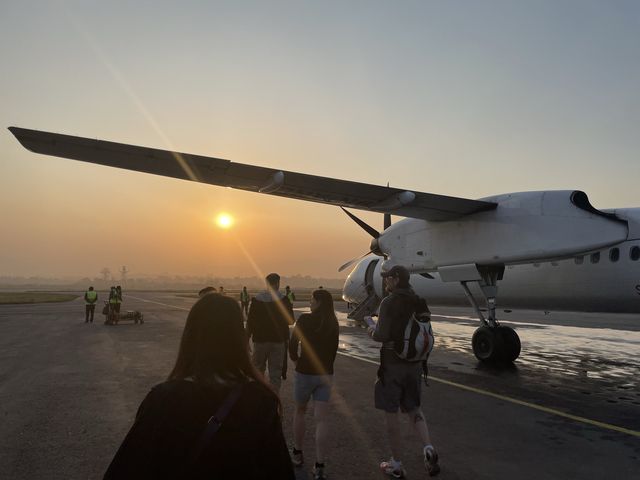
pixel 525 227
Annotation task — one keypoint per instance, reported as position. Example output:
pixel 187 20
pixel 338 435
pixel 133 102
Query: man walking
pixel 244 300
pixel 399 381
pixel 270 315
pixel 90 298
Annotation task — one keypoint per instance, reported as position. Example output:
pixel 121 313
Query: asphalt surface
pixel 568 408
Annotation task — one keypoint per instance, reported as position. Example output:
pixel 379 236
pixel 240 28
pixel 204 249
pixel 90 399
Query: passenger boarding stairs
pixel 368 307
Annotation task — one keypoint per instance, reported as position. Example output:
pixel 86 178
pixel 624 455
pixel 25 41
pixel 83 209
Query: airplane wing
pixel 216 171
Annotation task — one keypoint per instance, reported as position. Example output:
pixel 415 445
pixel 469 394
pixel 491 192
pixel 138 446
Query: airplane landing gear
pixel 500 344
pixel 492 341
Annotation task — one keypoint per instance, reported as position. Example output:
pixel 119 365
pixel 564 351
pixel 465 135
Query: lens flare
pixel 224 220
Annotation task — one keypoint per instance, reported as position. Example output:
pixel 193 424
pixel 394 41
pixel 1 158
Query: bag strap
pixel 215 422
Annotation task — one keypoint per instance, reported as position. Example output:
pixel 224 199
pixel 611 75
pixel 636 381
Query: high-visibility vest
pixel 244 296
pixel 90 296
pixel 113 298
pixel 291 296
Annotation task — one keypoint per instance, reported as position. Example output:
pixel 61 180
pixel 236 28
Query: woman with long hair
pixel 317 334
pixel 214 417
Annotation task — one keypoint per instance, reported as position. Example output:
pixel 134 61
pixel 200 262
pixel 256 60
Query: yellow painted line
pixel 540 408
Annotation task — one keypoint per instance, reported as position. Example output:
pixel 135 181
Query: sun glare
pixel 224 220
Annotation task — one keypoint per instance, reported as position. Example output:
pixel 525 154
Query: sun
pixel 224 220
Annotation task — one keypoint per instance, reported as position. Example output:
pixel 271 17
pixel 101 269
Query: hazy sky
pixel 460 98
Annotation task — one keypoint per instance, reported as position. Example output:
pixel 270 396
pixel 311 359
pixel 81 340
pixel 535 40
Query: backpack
pixel 417 341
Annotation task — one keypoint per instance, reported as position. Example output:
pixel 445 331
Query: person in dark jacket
pixel 317 335
pixel 213 369
pixel 399 381
pixel 270 315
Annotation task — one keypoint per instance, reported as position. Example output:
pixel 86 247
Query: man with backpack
pixel 270 315
pixel 404 330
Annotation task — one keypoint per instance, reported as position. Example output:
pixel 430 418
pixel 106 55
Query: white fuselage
pixel 557 251
pixel 605 286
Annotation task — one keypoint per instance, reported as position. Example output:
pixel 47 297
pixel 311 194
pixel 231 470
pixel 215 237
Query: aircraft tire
pixel 510 343
pixel 487 344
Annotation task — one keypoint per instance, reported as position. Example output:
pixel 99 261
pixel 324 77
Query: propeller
pixel 387 217
pixel 352 261
pixel 374 248
pixel 365 226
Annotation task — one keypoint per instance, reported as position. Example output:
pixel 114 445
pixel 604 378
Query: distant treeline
pixel 182 283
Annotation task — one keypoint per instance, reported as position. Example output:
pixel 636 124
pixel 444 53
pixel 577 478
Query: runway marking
pixel 479 391
pixel 534 406
pixel 159 303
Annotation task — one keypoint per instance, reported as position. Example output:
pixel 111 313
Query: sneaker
pixel 393 469
pixel 318 473
pixel 431 461
pixel 297 458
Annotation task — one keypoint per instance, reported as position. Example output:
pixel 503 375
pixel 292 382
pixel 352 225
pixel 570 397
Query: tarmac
pixel 568 408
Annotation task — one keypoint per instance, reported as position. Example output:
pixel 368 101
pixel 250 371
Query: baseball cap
pixel 398 271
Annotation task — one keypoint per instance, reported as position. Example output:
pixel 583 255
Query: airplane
pixel 444 241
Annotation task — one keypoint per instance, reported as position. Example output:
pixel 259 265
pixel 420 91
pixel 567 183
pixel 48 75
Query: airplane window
pixel 554 264
pixel 595 257
pixel 614 254
pixel 579 259
pixel 536 264
pixel 634 253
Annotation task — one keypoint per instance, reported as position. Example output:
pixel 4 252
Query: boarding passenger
pixel 206 290
pixel 317 334
pixel 244 300
pixel 90 298
pixel 214 417
pixel 399 381
pixel 270 315
pixel 221 290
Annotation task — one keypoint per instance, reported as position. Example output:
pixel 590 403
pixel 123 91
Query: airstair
pixel 368 307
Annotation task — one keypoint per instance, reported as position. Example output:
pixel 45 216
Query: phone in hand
pixel 370 321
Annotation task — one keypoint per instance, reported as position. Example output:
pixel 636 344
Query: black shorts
pixel 399 387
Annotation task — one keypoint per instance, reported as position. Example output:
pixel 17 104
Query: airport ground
pixel 568 408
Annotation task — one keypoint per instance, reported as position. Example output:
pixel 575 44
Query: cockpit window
pixel 595 257
pixel 614 254
pixel 579 259
pixel 634 253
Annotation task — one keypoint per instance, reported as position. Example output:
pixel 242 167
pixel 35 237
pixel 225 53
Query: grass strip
pixel 13 298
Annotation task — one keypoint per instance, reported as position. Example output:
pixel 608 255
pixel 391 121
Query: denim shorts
pixel 317 387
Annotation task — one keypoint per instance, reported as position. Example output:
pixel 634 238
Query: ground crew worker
pixel 289 294
pixel 90 298
pixel 244 300
pixel 118 302
pixel 113 299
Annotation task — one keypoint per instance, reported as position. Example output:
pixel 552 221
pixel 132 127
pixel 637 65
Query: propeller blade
pixel 352 261
pixel 387 220
pixel 387 217
pixel 367 228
